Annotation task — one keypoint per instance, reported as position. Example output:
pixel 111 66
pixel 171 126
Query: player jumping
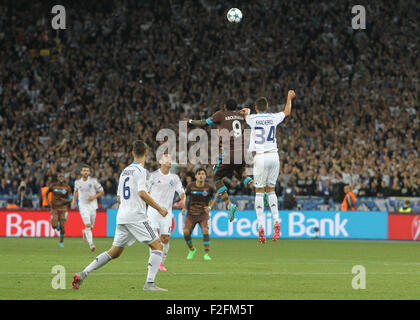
pixel 88 190
pixel 266 160
pixel 233 121
pixel 163 185
pixel 201 200
pixel 132 221
pixel 61 198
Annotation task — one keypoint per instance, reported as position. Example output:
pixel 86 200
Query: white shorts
pixel 164 224
pixel 88 216
pixel 266 169
pixel 127 234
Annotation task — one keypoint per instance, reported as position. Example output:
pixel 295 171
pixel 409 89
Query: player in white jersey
pixel 266 159
pixel 162 186
pixel 132 221
pixel 87 190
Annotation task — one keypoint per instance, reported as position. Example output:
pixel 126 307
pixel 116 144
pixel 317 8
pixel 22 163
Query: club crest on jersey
pixel 90 185
pixel 205 193
pixel 171 183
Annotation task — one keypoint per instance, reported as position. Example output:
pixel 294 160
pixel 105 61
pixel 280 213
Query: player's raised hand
pixel 246 111
pixel 183 211
pixel 163 212
pixel 291 94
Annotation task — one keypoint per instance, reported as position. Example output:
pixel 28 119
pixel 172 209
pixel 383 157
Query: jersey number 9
pixel 237 128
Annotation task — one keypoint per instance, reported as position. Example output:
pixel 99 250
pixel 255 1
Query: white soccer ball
pixel 234 15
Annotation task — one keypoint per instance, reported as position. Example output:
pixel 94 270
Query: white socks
pixel 272 202
pixel 100 260
pixel 165 251
pixel 259 208
pixel 89 237
pixel 154 263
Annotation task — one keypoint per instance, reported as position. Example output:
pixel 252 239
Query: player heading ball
pixel 266 159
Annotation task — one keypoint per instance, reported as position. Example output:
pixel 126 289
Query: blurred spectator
pixel 337 189
pixel 110 187
pixel 11 205
pixel 44 202
pixel 23 200
pixel 4 187
pixel 406 208
pixel 325 191
pixel 349 202
pixel 289 199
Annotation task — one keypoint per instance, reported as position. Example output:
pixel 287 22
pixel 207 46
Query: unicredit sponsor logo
pixel 16 226
pixel 299 225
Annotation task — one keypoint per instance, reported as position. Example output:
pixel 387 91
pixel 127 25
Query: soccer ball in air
pixel 234 15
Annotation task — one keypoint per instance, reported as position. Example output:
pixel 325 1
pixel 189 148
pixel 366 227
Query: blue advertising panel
pixel 111 222
pixel 294 224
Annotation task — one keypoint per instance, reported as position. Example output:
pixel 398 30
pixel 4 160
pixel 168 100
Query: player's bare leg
pixel 99 262
pixel 273 203
pixel 188 241
pixel 154 263
pixel 259 209
pixel 222 193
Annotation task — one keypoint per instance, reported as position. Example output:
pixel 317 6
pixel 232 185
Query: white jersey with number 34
pixel 132 208
pixel 263 131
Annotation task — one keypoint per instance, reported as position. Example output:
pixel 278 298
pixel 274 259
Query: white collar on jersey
pixel 160 171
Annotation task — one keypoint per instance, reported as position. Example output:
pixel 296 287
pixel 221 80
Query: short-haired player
pixel 87 189
pixel 132 221
pixel 266 160
pixel 60 201
pixel 163 184
pixel 201 198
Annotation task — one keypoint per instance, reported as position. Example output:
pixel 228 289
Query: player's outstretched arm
pixel 197 123
pixel 211 204
pixel 149 201
pixel 290 96
pixel 245 112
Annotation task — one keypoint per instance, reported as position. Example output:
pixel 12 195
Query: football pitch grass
pixel 241 269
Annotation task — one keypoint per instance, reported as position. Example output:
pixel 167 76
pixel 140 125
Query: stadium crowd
pixel 126 69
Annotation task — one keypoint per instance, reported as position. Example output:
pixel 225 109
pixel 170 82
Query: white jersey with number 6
pixel 263 131
pixel 132 208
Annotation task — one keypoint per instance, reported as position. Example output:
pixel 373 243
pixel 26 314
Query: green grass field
pixel 240 269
